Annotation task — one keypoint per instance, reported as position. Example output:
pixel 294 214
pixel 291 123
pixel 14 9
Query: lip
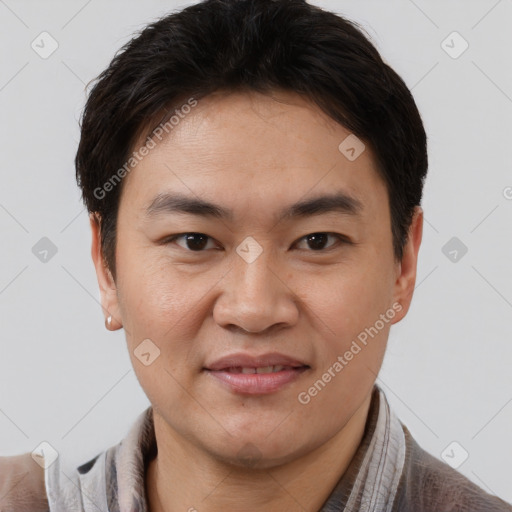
pixel 248 361
pixel 256 383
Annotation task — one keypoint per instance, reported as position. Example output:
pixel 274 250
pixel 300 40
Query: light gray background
pixel 67 380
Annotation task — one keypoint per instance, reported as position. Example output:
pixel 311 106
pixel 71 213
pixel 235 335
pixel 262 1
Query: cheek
pixel 351 299
pixel 153 294
pixel 350 309
pixel 354 339
pixel 162 305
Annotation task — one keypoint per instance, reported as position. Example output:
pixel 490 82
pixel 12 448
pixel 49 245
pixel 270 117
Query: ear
pixel 406 269
pixel 108 289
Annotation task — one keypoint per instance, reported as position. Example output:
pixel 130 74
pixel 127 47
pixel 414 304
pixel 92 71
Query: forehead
pixel 276 148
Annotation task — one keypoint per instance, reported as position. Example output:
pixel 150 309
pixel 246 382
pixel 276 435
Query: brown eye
pixel 194 242
pixel 318 241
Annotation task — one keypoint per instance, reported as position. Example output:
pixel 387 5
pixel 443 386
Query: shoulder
pixel 22 485
pixel 429 484
pixel 62 486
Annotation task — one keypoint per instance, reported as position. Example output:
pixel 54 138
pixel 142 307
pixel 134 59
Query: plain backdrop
pixel 66 380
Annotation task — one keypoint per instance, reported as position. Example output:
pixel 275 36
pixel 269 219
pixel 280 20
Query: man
pixel 253 172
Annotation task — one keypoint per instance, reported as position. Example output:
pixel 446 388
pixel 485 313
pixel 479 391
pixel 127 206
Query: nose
pixel 256 297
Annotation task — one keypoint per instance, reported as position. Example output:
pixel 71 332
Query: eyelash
pixel 341 240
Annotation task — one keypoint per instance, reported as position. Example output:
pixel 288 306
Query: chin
pixel 250 457
pixel 258 450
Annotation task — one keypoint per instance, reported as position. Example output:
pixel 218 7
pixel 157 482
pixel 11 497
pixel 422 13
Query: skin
pixel 254 154
pixel 22 484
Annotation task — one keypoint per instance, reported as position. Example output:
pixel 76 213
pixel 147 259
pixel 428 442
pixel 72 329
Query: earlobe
pixel 106 283
pixel 406 274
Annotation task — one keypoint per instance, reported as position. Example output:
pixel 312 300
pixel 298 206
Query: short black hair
pixel 250 45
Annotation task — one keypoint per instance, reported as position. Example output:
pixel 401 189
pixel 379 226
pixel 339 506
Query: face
pixel 269 271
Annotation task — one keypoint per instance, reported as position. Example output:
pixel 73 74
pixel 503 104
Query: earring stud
pixel 109 321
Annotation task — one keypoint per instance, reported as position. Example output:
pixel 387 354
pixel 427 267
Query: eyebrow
pixel 175 203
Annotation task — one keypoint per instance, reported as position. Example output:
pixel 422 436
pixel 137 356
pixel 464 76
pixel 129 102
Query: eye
pixel 194 242
pixel 317 241
pixel 197 242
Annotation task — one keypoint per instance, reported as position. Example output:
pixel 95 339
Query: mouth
pixel 257 381
pixel 260 370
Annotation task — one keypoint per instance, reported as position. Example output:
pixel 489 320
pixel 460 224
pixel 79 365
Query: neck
pixel 177 480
